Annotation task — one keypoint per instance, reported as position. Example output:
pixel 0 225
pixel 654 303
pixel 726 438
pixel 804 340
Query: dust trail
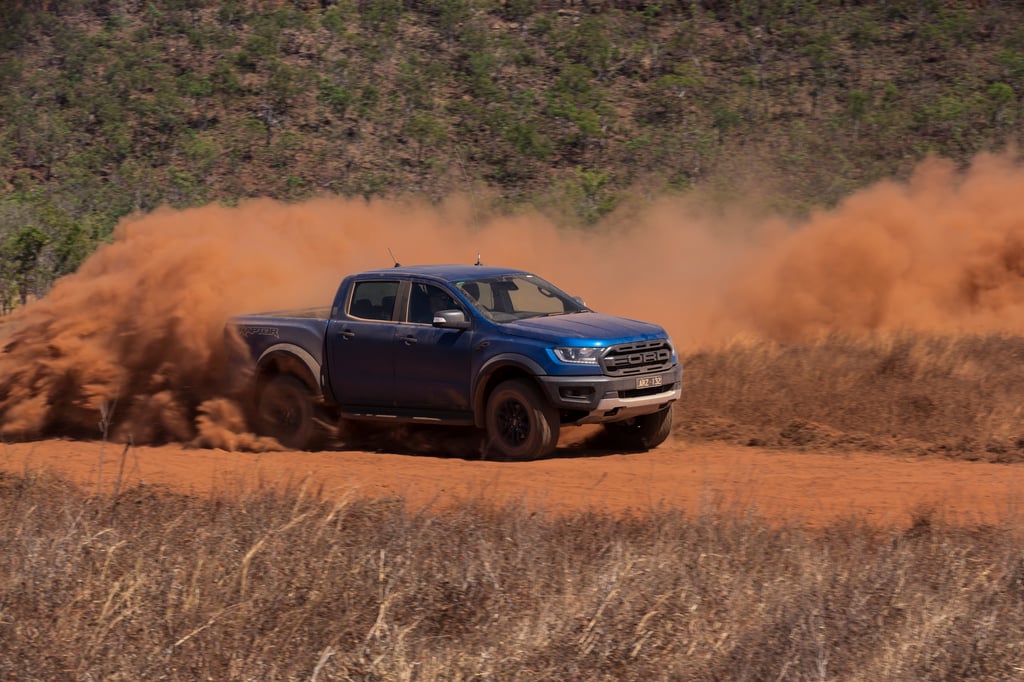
pixel 944 252
pixel 138 330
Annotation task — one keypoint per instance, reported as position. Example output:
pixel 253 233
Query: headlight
pixel 578 356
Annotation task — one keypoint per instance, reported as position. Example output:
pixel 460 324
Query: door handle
pixel 348 333
pixel 409 340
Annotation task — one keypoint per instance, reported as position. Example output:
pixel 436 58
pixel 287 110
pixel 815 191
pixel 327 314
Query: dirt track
pixel 804 486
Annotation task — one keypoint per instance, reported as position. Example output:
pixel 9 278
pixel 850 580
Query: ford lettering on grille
pixel 638 358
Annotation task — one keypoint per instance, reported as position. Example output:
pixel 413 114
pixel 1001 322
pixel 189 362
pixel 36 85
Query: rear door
pixel 360 345
pixel 432 365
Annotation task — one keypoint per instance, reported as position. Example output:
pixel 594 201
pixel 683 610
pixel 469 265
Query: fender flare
pixel 521 364
pixel 298 353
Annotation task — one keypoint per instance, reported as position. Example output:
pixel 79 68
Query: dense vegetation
pixel 290 586
pixel 114 106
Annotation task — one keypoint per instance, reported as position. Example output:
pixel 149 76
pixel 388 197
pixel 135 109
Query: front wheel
pixel 286 411
pixel 642 433
pixel 521 424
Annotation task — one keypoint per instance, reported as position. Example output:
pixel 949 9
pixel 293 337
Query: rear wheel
pixel 286 411
pixel 642 433
pixel 521 424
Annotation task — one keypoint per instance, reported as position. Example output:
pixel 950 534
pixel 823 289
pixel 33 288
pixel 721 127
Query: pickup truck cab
pixel 497 349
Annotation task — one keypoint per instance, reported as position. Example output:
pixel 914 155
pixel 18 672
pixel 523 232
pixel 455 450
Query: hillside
pixel 108 107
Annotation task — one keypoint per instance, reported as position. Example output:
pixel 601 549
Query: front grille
pixel 644 357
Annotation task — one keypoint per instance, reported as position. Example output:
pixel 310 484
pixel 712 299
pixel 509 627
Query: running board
pixel 398 416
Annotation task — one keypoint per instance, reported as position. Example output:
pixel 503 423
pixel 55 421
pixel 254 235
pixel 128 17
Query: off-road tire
pixel 641 433
pixel 521 424
pixel 286 410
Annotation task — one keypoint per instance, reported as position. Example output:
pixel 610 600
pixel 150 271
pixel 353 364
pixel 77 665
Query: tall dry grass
pixel 959 395
pixel 292 586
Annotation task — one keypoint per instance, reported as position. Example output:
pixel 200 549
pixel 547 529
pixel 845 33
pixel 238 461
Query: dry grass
pixel 291 586
pixel 957 395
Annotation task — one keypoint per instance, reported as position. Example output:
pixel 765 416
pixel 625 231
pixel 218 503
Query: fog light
pixel 578 393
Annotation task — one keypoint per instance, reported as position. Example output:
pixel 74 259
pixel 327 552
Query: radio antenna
pixel 397 264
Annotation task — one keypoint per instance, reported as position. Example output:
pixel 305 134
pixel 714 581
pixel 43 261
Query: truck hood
pixel 584 329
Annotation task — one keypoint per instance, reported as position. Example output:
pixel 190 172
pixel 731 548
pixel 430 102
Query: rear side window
pixel 373 300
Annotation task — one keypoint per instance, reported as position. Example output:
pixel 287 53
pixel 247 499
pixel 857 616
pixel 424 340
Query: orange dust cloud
pixel 134 339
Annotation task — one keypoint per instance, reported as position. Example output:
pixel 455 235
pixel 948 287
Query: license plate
pixel 648 382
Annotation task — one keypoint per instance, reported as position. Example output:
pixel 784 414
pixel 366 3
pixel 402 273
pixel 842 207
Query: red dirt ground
pixel 808 487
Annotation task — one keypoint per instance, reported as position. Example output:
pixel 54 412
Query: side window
pixel 373 300
pixel 427 299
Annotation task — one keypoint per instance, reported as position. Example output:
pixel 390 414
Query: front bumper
pixel 597 399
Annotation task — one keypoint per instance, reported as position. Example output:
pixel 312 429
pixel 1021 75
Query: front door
pixel 432 365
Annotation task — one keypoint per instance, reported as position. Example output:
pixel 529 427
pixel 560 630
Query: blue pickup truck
pixel 497 349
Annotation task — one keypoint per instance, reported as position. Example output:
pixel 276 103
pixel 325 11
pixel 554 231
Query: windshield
pixel 517 297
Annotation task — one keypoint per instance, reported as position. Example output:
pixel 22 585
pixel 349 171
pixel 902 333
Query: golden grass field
pixel 293 585
pixel 958 395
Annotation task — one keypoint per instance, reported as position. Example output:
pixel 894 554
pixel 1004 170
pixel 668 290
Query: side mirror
pixel 451 319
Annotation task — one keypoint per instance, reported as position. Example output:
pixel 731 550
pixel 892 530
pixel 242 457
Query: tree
pixel 21 252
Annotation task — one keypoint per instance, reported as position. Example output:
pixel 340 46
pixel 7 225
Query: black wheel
pixel 286 411
pixel 521 424
pixel 642 433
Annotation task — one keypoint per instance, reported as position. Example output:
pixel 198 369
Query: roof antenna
pixel 478 261
pixel 397 264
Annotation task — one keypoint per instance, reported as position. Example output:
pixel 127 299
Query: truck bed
pixel 303 328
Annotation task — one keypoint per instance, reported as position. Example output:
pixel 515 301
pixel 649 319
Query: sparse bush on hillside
pixel 828 97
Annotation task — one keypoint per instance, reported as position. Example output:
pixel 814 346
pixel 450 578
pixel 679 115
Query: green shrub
pixel 186 190
pixel 231 13
pixel 337 98
pixel 202 151
pixel 225 81
pixel 589 45
pixel 191 85
pixel 519 10
pixel 338 18
pixel 382 15
pixel 527 140
pixel 286 84
pixel 591 194
pixel 725 118
pixel 21 250
pixel 666 99
pixel 480 67
pixel 449 15
pixel 426 131
pixel 11 70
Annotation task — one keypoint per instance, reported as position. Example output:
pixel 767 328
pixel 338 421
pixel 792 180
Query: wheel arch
pixel 288 358
pixel 497 370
